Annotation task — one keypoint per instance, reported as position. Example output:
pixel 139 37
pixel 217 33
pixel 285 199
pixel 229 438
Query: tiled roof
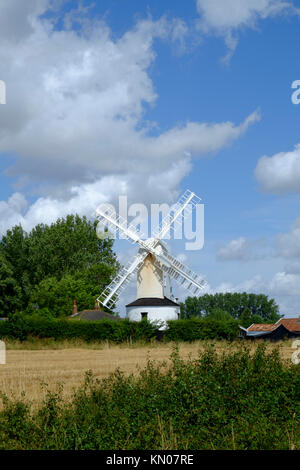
pixel 94 315
pixel 261 327
pixel 291 324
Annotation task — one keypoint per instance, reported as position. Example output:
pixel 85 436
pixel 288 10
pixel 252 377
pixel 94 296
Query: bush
pixel 195 329
pixel 22 327
pixel 234 401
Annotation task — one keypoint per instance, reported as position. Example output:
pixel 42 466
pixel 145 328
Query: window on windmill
pixel 144 315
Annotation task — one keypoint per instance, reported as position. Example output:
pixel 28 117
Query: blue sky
pixel 149 98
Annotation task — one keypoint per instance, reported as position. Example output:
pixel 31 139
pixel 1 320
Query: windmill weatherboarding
pixel 153 265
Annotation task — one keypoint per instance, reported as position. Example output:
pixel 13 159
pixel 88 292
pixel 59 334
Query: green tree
pixel 68 247
pixel 190 308
pixel 233 303
pixel 10 292
pixel 56 297
pixel 258 319
pixel 246 318
pixel 218 314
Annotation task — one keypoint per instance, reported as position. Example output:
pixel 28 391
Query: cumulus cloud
pixel 83 199
pixel 285 284
pixel 242 249
pixel 16 19
pixel 75 112
pixel 284 287
pixel 288 244
pixel 293 267
pixel 238 249
pixel 280 173
pixel 283 245
pixel 226 17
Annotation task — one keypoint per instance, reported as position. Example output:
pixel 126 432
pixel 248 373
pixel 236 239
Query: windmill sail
pixel 174 217
pixel 182 274
pixel 107 217
pixel 111 293
pixel 163 260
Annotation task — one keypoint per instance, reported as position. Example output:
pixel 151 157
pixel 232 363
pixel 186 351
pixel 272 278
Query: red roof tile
pixel 291 324
pixel 262 327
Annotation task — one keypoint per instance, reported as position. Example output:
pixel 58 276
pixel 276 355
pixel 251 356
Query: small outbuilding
pixel 283 328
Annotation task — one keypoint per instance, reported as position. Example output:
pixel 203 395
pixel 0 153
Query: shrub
pixel 21 327
pixel 195 329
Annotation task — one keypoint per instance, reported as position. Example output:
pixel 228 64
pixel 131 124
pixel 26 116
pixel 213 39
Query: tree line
pixel 42 271
pixel 245 307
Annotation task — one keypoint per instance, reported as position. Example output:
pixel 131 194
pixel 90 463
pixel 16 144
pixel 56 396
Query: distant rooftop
pixel 291 324
pixel 94 315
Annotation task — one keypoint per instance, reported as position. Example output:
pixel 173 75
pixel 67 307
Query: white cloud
pixel 288 244
pixel 75 110
pixel 285 284
pixel 83 201
pixel 280 173
pixel 293 267
pixel 16 18
pixel 226 17
pixel 239 249
pixel 283 245
pixel 283 287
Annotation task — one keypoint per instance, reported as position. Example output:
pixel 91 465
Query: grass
pixel 202 396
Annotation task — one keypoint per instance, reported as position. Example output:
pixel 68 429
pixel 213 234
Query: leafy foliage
pixel 238 305
pixel 23 327
pixel 234 401
pixel 65 252
pixel 56 295
pixel 10 292
pixel 200 328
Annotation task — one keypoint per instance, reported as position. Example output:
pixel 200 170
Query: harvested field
pixel 33 371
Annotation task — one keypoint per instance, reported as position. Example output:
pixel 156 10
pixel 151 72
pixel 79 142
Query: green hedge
pixel 21 327
pixel 195 329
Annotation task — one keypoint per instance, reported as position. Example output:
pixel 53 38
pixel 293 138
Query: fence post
pixel 2 353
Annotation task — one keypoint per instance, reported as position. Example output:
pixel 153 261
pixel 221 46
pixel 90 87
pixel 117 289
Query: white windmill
pixel 153 265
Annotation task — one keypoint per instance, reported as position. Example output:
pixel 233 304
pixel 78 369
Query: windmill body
pixel 151 280
pixel 153 267
pixel 154 299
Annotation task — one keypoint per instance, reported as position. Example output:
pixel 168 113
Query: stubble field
pixel 34 371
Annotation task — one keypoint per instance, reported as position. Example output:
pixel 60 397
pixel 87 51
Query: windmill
pixel 153 265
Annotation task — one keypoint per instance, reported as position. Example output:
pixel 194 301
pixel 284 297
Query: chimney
pixel 74 309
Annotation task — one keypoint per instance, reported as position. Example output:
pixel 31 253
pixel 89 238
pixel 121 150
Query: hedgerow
pixel 22 327
pixel 195 329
